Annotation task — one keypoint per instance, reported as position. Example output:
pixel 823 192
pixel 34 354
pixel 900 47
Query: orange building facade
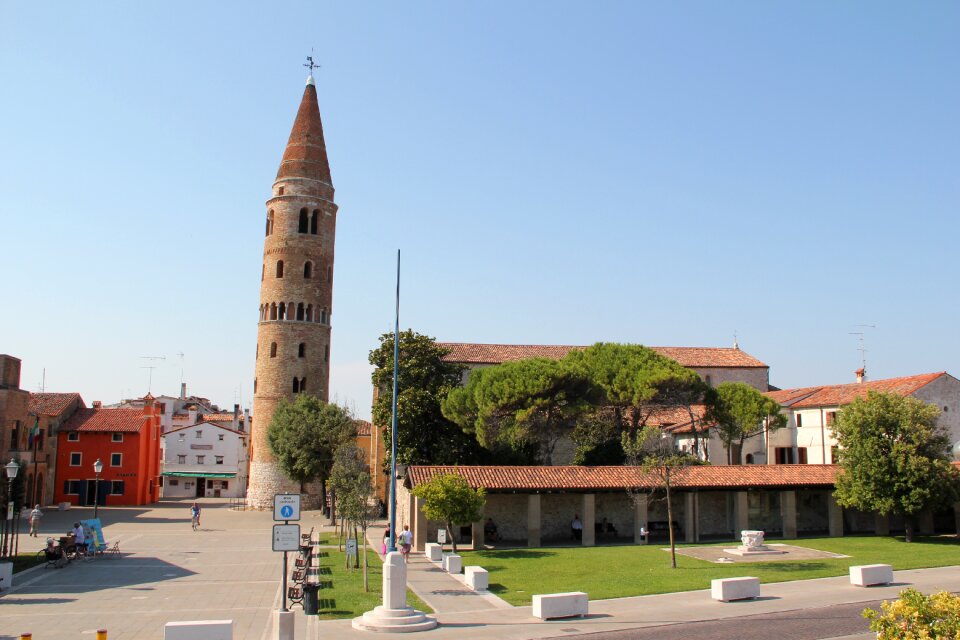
pixel 127 443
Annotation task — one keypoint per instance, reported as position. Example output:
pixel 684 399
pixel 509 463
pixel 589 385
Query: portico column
pixel 882 525
pixel 835 517
pixel 691 505
pixel 589 519
pixel 419 525
pixel 533 520
pixel 788 504
pixel 640 517
pixel 741 513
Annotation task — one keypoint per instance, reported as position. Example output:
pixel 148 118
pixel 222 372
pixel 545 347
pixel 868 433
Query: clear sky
pixel 554 173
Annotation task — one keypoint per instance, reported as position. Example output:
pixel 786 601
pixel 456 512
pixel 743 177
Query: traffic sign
pixel 286 537
pixel 286 506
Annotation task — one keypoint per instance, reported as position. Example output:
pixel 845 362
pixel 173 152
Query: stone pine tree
pixel 424 435
pixel 741 412
pixel 894 457
pixel 449 499
pixel 654 453
pixel 350 481
pixel 305 434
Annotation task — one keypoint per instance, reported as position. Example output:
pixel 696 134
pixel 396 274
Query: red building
pixel 126 441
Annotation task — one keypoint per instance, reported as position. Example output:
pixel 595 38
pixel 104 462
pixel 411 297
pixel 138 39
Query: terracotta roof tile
pixel 364 428
pixel 472 353
pixel 842 394
pixel 613 478
pixel 220 417
pixel 127 420
pixel 51 404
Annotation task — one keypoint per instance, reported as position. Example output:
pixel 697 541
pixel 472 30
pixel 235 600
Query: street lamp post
pixel 97 468
pixel 11 468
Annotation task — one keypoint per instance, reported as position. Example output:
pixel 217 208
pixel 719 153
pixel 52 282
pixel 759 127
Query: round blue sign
pixel 286 511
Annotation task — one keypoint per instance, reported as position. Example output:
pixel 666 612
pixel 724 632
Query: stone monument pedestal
pixel 752 545
pixel 394 616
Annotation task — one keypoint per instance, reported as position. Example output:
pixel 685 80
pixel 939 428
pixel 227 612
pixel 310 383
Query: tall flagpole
pixel 393 432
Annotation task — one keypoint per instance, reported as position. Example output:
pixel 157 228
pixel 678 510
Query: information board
pixel 351 546
pixel 286 506
pixel 286 537
pixel 441 536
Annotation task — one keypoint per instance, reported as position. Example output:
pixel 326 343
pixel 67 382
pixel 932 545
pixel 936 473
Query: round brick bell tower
pixel 296 291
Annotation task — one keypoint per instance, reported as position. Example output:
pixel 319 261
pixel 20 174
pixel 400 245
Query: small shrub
pixel 915 616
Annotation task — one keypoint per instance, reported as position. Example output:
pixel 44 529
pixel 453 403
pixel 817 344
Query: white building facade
pixel 205 460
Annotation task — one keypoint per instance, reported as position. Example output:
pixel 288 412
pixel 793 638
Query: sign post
pixel 286 537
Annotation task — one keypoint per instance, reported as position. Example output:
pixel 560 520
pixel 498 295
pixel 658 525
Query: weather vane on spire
pixel 310 64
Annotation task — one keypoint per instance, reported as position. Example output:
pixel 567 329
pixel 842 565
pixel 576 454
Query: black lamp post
pixel 97 468
pixel 11 468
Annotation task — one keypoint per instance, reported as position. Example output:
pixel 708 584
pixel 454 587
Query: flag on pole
pixel 34 433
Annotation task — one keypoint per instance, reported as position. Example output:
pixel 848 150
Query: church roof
pixel 837 395
pixel 306 152
pixel 473 353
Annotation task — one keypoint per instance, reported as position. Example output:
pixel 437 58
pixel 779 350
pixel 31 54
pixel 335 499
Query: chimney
pixel 183 390
pixel 192 412
pixel 861 374
pixel 97 404
pixel 236 417
pixel 246 420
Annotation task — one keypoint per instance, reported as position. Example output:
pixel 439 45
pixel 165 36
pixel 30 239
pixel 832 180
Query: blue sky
pixel 554 173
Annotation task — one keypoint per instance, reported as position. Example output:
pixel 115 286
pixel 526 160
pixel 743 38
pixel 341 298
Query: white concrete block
pixel 199 630
pixel 477 578
pixel 434 552
pixel 727 589
pixel 870 574
pixel 560 605
pixel 6 575
pixel 284 625
pixel 452 563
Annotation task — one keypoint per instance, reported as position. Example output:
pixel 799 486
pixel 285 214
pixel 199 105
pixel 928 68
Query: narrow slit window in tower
pixel 303 221
pixel 279 268
pixel 307 270
pixel 326 353
pixel 273 311
pixel 280 190
pixel 263 273
pixel 314 219
pixel 309 313
pixel 296 385
pixel 273 349
pixel 300 312
pixel 330 273
pixel 270 222
pixel 302 350
pixel 254 385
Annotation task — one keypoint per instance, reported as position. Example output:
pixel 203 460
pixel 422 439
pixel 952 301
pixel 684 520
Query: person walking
pixel 195 516
pixel 406 541
pixel 35 516
pixel 386 542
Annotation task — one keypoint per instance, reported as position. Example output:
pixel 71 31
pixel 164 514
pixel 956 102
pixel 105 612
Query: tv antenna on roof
pixel 862 346
pixel 151 367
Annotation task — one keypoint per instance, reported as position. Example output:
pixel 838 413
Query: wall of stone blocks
pixel 812 512
pixel 716 514
pixel 509 512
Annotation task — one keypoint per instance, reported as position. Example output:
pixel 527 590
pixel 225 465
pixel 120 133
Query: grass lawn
pixel 613 572
pixel 25 560
pixel 342 595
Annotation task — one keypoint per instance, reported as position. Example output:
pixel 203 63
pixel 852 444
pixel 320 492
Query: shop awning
pixel 197 474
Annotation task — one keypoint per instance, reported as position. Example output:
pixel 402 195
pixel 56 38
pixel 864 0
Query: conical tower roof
pixel 306 152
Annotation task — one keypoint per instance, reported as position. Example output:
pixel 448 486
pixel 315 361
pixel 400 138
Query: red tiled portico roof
pixel 573 478
pixel 51 404
pixel 106 420
pixel 472 353
pixel 842 394
pixel 364 428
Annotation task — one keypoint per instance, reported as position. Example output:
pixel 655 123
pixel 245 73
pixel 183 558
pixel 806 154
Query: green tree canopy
pixel 741 412
pixel 350 481
pixel 305 434
pixel 524 405
pixel 894 457
pixel 447 498
pixel 424 435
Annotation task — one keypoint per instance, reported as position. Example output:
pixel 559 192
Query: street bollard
pixel 101 634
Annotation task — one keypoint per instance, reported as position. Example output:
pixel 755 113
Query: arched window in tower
pixel 280 190
pixel 263 272
pixel 314 221
pixel 279 268
pixel 282 313
pixel 330 273
pixel 273 311
pixel 302 350
pixel 296 385
pixel 273 349
pixel 300 312
pixel 257 357
pixel 269 222
pixel 326 353
pixel 303 221
pixel 309 313
pixel 307 270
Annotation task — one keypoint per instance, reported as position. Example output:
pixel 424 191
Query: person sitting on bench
pixel 490 530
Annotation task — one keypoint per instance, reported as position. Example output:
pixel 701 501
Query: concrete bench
pixel 452 563
pixel 870 574
pixel 477 578
pixel 560 605
pixel 434 552
pixel 199 630
pixel 727 589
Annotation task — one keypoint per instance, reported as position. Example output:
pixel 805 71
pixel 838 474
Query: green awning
pixel 197 474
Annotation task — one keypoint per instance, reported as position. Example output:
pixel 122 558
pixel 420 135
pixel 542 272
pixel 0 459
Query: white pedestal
pixel 452 563
pixel 727 589
pixel 560 605
pixel 199 630
pixel 477 578
pixel 284 625
pixel 6 575
pixel 434 552
pixel 394 616
pixel 868 575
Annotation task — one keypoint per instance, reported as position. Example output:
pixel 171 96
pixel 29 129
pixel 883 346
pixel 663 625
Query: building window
pixel 219 459
pixel 220 437
pixel 279 268
pixel 73 436
pixel 199 434
pixel 117 437
pixel 300 312
pixel 749 458
pixel 783 455
pixel 116 459
pixel 280 190
pixel 75 459
pixel 200 459
pixel 329 274
pixel 307 270
pixel 72 487
pixel 801 455
pixel 15 437
pixel 314 220
pixel 182 459
pixel 273 349
pixel 254 385
pixel 304 222
pixel 296 384
pixel 302 350
pixel 116 487
pixel 831 418
pixel 799 420
pixel 226 485
pixel 173 482
pixel 303 385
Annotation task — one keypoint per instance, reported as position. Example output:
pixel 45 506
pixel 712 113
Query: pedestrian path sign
pixel 286 506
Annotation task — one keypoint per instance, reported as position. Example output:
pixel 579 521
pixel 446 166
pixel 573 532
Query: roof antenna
pixel 736 345
pixel 862 346
pixel 151 367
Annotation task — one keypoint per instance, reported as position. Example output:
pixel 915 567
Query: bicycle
pixel 195 522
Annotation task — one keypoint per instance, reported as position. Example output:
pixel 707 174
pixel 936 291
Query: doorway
pixel 92 494
pixel 201 486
